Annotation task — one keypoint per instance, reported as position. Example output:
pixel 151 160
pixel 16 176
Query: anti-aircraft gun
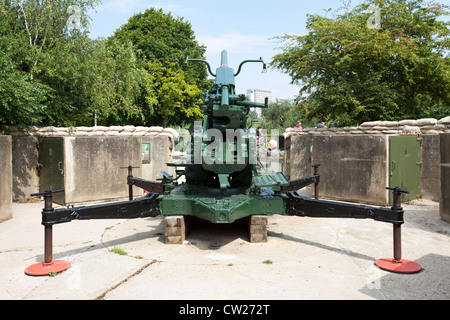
pixel 221 182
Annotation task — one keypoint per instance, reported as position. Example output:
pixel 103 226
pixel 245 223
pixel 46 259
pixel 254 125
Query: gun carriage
pixel 221 181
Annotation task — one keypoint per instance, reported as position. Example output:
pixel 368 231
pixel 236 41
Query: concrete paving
pixel 304 258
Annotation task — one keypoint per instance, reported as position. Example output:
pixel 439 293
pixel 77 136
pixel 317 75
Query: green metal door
pixel 405 165
pixel 51 167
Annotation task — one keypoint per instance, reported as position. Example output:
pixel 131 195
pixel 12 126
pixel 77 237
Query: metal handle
pixel 47 192
pixel 60 167
pixel 397 190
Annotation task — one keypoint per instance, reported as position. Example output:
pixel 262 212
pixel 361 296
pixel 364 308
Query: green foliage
pixel 94 77
pixel 42 23
pixel 52 74
pixel 22 101
pixel 278 115
pixel 119 85
pixel 284 113
pixel 162 44
pixel 355 73
pixel 119 251
pixel 159 36
pixel 175 100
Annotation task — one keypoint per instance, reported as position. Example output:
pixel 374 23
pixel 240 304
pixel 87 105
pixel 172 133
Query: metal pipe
pixel 129 181
pixel 224 58
pixel 130 186
pixel 48 244
pixel 397 242
pixel 397 228
pixel 48 230
pixel 225 97
pixel 316 183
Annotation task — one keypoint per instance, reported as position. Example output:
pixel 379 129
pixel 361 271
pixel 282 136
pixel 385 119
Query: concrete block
pixel 174 229
pixel 5 178
pixel 444 203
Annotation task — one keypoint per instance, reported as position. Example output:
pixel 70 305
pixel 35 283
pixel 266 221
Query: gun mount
pixel 222 183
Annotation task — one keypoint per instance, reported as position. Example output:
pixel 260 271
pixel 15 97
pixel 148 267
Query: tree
pixel 278 115
pixel 352 71
pixel 77 78
pixel 122 93
pixel 45 22
pixel 22 101
pixel 174 98
pixel 163 43
pixel 53 74
pixel 93 78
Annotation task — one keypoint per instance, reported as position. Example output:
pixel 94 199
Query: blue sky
pixel 244 28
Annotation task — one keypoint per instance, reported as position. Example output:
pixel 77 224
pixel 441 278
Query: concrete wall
pixel 297 162
pixel 5 178
pixel 444 204
pixel 430 173
pixel 92 157
pixel 299 158
pixel 25 158
pixel 92 167
pixel 352 169
pixel 161 147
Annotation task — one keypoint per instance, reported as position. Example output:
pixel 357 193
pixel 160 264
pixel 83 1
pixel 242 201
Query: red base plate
pixel 43 269
pixel 398 266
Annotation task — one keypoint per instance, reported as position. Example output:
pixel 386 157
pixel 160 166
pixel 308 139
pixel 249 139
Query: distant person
pixel 258 132
pixel 298 126
pixel 321 125
pixel 259 136
pixel 336 124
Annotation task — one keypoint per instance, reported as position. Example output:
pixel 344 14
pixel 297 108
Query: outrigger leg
pixel 298 205
pixel 146 206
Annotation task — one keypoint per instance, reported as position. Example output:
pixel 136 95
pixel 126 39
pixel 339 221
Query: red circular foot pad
pixel 398 266
pixel 43 269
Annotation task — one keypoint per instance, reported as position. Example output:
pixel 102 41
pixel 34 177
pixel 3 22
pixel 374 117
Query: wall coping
pixel 95 131
pixel 403 127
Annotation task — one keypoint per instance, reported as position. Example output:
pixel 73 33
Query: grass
pixel 118 251
pixel 267 262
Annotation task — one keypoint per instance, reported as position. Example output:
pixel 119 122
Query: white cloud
pixel 235 42
pixel 132 6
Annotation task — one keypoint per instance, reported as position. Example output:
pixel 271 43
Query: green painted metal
pixel 221 181
pixel 51 166
pixel 219 206
pixel 405 165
